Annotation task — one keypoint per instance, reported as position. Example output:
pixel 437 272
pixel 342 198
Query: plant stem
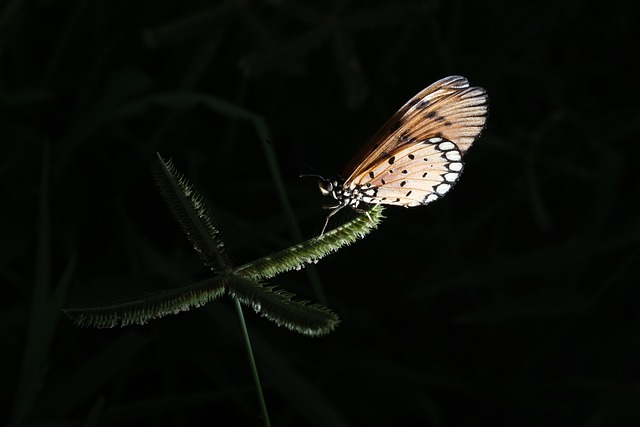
pixel 252 363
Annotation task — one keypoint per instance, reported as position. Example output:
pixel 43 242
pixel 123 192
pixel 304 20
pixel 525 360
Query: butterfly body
pixel 415 158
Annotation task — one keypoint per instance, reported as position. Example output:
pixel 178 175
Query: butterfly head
pixel 336 189
pixel 326 186
pixel 329 187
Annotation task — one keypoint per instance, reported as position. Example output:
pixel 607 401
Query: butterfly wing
pixel 412 175
pixel 449 109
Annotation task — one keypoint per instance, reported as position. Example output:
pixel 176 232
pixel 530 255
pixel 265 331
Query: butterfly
pixel 415 158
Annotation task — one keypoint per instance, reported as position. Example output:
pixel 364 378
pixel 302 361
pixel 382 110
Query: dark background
pixel 513 301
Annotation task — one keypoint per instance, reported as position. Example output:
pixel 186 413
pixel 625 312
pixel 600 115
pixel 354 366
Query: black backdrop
pixel 513 301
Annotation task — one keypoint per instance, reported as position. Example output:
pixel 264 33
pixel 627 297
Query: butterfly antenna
pixel 289 153
pixel 312 175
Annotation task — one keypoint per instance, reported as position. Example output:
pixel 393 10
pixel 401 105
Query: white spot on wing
pixel 453 155
pixel 442 189
pixel 447 145
pixel 430 198
pixel 451 176
pixel 455 166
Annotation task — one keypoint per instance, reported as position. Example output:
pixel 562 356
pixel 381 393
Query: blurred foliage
pixel 510 302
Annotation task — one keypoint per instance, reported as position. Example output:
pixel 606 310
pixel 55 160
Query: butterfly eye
pixel 325 186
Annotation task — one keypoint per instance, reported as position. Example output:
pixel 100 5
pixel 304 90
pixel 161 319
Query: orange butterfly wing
pixel 448 109
pixel 413 175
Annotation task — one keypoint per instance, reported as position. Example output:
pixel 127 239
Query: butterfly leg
pixel 334 210
pixel 364 211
